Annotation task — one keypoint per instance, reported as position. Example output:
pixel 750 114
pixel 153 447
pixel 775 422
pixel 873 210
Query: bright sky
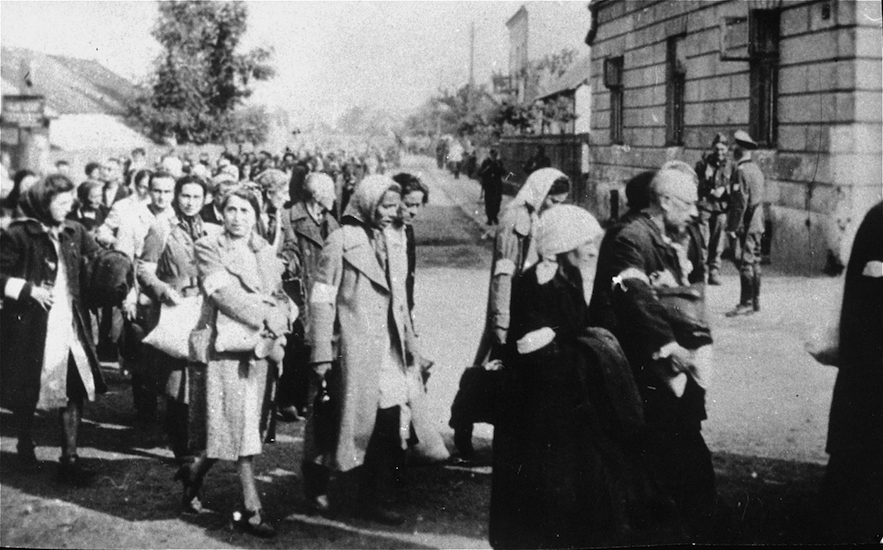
pixel 328 55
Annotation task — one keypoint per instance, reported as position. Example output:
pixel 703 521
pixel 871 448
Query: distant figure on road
pixel 714 171
pixel 852 492
pixel 514 251
pixel 745 222
pixel 539 160
pixel 492 173
pixel 455 158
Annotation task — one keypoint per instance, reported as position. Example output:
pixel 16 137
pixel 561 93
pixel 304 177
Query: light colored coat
pixel 246 289
pixel 353 287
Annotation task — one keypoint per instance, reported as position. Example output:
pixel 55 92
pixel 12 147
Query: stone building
pixel 803 77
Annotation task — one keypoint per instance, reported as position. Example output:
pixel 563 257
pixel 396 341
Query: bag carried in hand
pixel 480 396
pixel 176 322
pixel 233 336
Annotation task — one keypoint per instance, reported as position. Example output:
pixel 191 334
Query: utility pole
pixel 471 68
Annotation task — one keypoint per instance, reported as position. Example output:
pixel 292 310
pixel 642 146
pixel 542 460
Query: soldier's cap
pixel 742 138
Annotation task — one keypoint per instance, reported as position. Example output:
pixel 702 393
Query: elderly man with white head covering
pixel 514 251
pixel 305 226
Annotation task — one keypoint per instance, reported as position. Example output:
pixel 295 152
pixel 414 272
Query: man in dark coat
pixel 649 249
pixel 305 226
pixel 492 173
pixel 852 492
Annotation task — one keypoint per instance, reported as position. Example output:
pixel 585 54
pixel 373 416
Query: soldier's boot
pixel 755 302
pixel 746 294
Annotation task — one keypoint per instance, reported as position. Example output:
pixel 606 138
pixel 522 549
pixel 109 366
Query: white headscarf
pixel 320 186
pixel 535 189
pixel 561 229
pixel 367 196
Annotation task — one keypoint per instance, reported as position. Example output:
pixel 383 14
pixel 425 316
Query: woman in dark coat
pixel 567 471
pixel 48 358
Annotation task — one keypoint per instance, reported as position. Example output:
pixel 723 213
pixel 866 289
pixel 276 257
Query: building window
pixel 676 78
pixel 764 75
pixel 613 67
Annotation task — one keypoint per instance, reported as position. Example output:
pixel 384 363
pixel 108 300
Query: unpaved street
pixel 768 411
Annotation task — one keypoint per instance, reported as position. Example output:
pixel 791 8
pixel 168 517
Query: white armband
pixel 13 288
pixel 323 294
pixel 504 267
pixel 534 340
pixel 216 281
pixel 873 269
pixel 630 273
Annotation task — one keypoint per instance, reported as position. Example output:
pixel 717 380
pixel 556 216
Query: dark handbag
pixel 685 309
pixel 480 397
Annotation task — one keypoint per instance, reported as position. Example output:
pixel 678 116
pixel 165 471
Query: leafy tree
pixel 200 80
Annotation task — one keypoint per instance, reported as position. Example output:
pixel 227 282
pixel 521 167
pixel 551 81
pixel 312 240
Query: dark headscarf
pixel 36 200
pixel 191 224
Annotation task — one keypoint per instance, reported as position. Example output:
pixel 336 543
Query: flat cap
pixel 742 138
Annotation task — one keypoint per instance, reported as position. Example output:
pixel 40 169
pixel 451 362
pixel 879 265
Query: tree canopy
pixel 200 81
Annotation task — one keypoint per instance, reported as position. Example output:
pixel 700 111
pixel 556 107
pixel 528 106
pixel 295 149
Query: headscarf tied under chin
pixel 561 229
pixel 32 205
pixel 366 197
pixel 362 207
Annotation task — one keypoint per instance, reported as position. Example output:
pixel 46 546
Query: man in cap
pixel 745 222
pixel 305 226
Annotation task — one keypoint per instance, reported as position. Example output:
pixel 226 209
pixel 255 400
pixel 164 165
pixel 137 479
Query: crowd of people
pixel 249 289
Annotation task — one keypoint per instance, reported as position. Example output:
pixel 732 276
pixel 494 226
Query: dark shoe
pixel 242 521
pixel 741 309
pixel 382 515
pixel 190 503
pixel 289 414
pixel 26 458
pixel 72 472
pixel 714 278
pixel 318 505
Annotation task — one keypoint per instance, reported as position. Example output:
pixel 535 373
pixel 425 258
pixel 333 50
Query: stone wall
pixel 824 170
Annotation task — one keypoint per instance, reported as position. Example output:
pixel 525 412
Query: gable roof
pixel 576 76
pixel 71 85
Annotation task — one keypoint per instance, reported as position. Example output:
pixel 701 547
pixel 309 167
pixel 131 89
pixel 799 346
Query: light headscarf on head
pixel 536 188
pixel 531 196
pixel 367 196
pixel 561 229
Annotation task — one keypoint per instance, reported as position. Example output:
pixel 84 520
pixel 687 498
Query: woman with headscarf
pixel 360 284
pixel 48 357
pixel 246 309
pixel 567 470
pixel 167 274
pixel 514 251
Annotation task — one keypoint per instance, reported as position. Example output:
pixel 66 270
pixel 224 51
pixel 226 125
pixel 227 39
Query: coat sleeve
pixel 506 256
pixel 225 290
pixel 146 264
pixel 642 318
pixel 323 298
pixel 12 283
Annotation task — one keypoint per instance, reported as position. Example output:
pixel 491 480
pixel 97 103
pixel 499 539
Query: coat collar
pixel 255 282
pixel 304 225
pixel 358 252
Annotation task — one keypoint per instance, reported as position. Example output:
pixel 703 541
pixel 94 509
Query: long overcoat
pixel 352 287
pixel 27 252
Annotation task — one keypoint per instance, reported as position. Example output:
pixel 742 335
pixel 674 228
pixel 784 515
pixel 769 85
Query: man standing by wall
pixel 714 171
pixel 745 222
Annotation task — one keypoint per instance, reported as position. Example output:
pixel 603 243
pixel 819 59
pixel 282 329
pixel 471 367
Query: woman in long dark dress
pixel 567 470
